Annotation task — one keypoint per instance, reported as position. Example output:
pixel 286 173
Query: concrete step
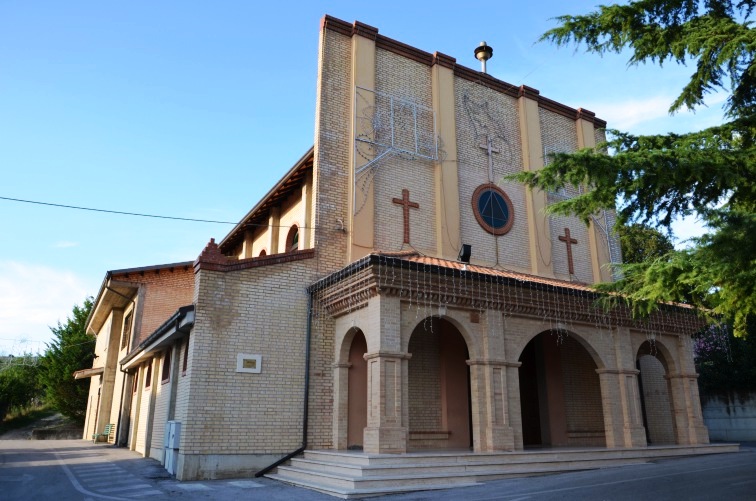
pixel 428 467
pixel 348 474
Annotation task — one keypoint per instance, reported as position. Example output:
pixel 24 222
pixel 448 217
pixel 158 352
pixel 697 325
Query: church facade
pixel 394 293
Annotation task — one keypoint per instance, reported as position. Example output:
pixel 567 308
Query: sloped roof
pixel 259 214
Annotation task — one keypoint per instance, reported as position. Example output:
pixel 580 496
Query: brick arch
pixel 658 349
pixel 342 355
pixel 582 340
pixel 561 397
pixel 294 231
pixel 472 348
pixel 438 385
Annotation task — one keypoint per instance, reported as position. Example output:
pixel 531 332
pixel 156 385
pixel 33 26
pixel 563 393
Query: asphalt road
pixel 68 470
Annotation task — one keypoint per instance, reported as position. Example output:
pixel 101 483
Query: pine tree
pixel 708 174
pixel 70 351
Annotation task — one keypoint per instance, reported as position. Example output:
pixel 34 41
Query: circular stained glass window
pixel 493 209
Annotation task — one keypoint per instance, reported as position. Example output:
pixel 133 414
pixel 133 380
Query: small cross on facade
pixel 406 204
pixel 569 241
pixel 490 150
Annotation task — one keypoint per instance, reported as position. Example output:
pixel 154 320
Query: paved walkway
pixel 67 470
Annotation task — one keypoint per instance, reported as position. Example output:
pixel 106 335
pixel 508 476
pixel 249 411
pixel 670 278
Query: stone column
pixel 492 429
pixel 686 409
pixel 386 431
pixel 623 424
pixel 340 405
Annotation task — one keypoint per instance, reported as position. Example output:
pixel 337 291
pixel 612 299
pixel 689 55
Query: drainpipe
pixel 306 395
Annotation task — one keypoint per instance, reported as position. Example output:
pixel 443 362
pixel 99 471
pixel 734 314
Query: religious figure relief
pixel 490 134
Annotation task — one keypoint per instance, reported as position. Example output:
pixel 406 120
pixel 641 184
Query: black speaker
pixel 464 253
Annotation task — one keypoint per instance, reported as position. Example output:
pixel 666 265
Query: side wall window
pixel 185 364
pixel 166 372
pixel 126 336
pixel 292 239
pixel 148 376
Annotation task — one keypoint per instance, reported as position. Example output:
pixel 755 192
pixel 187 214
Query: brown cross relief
pixel 406 204
pixel 569 241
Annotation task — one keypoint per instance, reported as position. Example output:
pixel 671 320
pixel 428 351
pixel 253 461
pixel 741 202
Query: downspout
pixel 305 412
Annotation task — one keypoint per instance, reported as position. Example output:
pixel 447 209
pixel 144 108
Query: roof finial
pixel 483 53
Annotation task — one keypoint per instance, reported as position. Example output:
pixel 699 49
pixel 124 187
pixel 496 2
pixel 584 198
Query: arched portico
pixel 350 391
pixel 671 404
pixel 439 387
pixel 560 392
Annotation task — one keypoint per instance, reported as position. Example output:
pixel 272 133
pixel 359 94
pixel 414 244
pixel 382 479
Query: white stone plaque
pixel 248 363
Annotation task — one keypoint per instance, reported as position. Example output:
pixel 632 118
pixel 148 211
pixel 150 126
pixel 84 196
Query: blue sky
pixel 195 109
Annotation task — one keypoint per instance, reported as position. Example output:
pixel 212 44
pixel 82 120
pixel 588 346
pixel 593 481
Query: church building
pixel 394 294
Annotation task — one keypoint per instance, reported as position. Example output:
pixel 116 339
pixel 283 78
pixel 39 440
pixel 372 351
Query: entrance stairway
pixel 350 475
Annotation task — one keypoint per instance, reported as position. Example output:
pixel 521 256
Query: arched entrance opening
pixel 439 387
pixel 357 406
pixel 654 393
pixel 560 393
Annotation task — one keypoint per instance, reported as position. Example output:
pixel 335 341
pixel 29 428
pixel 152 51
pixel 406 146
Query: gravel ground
pixel 54 421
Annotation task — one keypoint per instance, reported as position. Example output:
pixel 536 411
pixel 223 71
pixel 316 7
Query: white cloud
pixel 33 298
pixel 651 115
pixel 626 114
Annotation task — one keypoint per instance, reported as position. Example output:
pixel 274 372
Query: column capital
pixel 492 362
pixel 632 372
pixel 387 354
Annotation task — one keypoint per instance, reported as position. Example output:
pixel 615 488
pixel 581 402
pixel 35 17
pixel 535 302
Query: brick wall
pixel 162 292
pixel 656 401
pixel 255 311
pixel 582 396
pixel 472 100
pixel 424 381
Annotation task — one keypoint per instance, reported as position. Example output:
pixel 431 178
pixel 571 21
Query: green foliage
pixel 715 33
pixel 24 417
pixel 641 243
pixel 19 384
pixel 725 362
pixel 72 350
pixel 709 174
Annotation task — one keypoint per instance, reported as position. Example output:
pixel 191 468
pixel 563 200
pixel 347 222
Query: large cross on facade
pixel 569 241
pixel 406 204
pixel 490 150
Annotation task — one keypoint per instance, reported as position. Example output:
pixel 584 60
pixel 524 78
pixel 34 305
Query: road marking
pixel 16 478
pixel 76 483
pixel 193 487
pixel 123 488
pixel 142 494
pixel 246 484
pixel 600 484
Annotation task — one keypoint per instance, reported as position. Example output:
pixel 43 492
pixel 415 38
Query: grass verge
pixel 20 419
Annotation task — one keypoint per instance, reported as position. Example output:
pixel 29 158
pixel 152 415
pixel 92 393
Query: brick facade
pixel 419 310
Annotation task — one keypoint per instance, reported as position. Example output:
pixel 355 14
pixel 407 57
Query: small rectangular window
pixel 185 363
pixel 135 384
pixel 125 337
pixel 148 376
pixel 166 373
